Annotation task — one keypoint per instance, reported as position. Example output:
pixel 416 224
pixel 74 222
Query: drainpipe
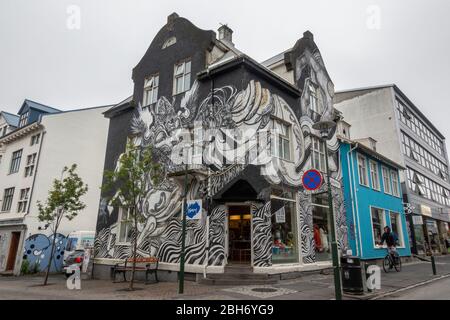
pixel 354 199
pixel 207 247
pixel 205 266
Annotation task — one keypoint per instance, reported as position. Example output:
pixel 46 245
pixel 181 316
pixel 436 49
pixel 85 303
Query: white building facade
pixel 33 155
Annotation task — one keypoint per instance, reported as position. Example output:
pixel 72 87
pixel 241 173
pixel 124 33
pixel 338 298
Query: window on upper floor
pixel 424 157
pixel 315 98
pixel 182 77
pixel 374 176
pixel 418 126
pixel 395 183
pixel 362 171
pixel 23 200
pixel 23 120
pixel 318 161
pixel 3 131
pixel 169 42
pixel 151 85
pixel 15 161
pixel 35 139
pixel 29 169
pixel 8 196
pixel 281 147
pixel 386 180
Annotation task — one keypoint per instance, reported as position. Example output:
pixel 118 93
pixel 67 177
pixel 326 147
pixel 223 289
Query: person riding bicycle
pixel 391 241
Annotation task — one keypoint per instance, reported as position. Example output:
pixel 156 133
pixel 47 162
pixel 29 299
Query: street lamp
pixel 325 127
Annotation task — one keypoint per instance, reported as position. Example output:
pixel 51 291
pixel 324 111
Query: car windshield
pixel 71 244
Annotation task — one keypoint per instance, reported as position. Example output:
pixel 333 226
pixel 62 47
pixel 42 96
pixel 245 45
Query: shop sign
pixel 425 210
pixel 280 216
pixel 194 209
pixel 417 220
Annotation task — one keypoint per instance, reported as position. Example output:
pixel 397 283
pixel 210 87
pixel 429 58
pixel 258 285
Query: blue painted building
pixel 373 199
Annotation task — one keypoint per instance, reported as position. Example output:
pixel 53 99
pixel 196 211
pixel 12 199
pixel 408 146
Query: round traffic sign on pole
pixel 312 180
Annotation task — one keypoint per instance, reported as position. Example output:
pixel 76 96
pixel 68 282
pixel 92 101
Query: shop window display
pixel 284 229
pixel 321 226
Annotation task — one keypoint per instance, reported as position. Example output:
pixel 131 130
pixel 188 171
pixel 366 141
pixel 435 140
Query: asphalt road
pixel 438 290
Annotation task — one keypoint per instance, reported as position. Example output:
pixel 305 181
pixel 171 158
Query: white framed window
pixel 395 183
pixel 396 227
pixel 282 137
pixel 23 120
pixel 23 200
pixel 362 170
pixel 315 98
pixel 378 220
pixel 125 226
pixel 182 77
pixel 386 180
pixel 374 175
pixel 318 160
pixel 151 85
pixel 29 169
pixel 35 139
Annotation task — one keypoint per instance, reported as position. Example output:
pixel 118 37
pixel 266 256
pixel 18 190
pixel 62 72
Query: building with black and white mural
pixel 244 129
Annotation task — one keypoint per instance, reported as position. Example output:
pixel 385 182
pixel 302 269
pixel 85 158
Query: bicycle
pixel 392 260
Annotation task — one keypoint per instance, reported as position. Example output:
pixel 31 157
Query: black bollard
pixel 433 265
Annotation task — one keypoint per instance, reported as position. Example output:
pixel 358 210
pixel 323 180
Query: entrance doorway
pixel 239 235
pixel 13 247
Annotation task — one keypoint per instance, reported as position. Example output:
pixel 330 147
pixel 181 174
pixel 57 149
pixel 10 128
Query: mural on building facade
pixel 250 110
pixel 37 250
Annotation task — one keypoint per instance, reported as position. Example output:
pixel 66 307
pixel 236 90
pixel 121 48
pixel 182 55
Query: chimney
pixel 308 35
pixel 368 142
pixel 171 18
pixel 225 33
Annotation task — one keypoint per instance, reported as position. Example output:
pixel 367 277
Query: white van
pixel 78 244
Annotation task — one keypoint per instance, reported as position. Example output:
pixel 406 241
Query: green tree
pixel 136 173
pixel 63 201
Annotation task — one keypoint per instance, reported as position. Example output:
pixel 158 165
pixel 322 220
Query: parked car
pixel 75 258
pixel 78 243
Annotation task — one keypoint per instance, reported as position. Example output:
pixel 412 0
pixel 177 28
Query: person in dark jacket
pixel 391 241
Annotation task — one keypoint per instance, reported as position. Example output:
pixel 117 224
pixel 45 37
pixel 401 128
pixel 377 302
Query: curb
pixel 389 293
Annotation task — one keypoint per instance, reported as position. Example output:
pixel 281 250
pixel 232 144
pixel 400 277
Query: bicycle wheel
pixel 386 264
pixel 398 264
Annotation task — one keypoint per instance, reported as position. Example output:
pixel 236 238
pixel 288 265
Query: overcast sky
pixel 46 56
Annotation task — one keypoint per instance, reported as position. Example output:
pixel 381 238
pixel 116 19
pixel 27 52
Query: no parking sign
pixel 312 180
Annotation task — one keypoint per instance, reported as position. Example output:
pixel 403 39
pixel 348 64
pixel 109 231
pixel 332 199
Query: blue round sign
pixel 312 180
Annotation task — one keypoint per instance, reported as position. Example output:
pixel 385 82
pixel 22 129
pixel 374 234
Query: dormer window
pixel 169 42
pixel 151 85
pixel 23 119
pixel 182 77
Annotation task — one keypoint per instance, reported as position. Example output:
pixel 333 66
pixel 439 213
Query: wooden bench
pixel 148 265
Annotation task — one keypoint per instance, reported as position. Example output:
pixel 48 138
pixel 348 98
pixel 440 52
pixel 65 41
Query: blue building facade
pixel 373 200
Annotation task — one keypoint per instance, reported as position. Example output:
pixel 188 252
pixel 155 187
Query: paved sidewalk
pixel 308 287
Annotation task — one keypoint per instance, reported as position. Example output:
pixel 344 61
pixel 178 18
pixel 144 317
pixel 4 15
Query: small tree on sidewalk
pixel 63 202
pixel 136 173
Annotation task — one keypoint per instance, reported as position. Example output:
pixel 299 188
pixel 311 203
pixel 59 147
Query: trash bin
pixel 353 275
